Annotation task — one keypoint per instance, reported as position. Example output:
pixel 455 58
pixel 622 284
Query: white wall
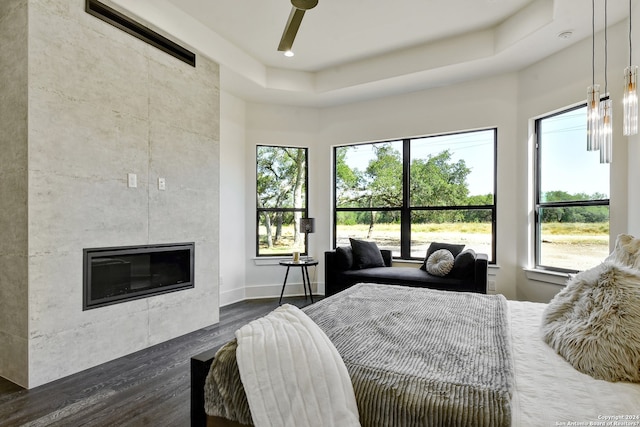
pixel 507 102
pixel 633 151
pixel 284 126
pixel 551 84
pixel 233 212
pixel 481 104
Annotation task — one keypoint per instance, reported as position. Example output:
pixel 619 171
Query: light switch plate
pixel 132 180
pixel 162 185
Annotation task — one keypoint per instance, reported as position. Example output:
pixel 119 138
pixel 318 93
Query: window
pixel 281 184
pixel 572 195
pixel 407 193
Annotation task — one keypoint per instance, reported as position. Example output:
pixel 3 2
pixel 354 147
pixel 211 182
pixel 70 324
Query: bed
pixel 427 357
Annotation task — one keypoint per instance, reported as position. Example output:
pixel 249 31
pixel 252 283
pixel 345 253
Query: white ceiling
pixel 348 50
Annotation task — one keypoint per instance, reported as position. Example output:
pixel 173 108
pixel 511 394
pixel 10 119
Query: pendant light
pixel 593 93
pixel 606 108
pixel 630 100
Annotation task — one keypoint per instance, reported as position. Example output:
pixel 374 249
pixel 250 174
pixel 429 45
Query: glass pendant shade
pixel 630 101
pixel 606 132
pixel 593 118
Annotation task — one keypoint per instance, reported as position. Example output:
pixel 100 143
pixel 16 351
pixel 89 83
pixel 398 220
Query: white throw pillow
pixel 594 322
pixel 440 262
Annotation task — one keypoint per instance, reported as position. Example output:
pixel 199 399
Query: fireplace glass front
pixel 113 275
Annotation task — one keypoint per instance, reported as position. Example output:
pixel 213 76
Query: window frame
pixel 541 205
pixel 406 209
pixel 304 210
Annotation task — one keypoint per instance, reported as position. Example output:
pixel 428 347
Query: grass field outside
pixel 573 246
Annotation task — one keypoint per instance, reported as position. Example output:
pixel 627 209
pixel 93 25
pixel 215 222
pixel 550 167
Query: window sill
pixel 547 276
pixel 274 260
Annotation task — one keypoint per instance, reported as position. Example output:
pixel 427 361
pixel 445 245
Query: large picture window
pixel 407 193
pixel 281 184
pixel 572 195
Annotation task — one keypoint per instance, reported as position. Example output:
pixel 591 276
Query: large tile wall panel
pixel 83 140
pixel 13 191
pixel 68 214
pixel 103 104
pixel 57 306
pixel 183 96
pixel 70 57
pixel 54 356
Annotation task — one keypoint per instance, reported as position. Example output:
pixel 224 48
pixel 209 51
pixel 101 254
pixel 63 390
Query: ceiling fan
pixel 293 23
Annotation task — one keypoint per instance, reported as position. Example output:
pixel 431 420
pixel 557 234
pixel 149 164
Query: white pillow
pixel 440 262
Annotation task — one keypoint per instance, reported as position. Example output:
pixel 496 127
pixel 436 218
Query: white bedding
pixel 548 391
pixel 292 374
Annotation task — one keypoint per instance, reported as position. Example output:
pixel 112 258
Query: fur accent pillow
pixel 626 251
pixel 594 322
pixel 440 262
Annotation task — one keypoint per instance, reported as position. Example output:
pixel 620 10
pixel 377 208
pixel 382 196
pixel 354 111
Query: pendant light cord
pixel 629 33
pixel 606 81
pixel 593 42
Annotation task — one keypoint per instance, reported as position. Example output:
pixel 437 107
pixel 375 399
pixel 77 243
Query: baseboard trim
pixel 273 291
pixel 232 296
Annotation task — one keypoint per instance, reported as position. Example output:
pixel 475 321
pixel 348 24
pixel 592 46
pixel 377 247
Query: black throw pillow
pixel 434 246
pixel 464 265
pixel 344 258
pixel 366 254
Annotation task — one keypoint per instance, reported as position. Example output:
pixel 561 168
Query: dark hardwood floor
pixel 147 388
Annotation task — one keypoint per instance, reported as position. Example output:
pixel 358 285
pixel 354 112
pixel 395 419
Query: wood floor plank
pixel 148 388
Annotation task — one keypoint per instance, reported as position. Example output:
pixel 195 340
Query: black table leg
pixel 283 285
pixel 304 285
pixel 306 270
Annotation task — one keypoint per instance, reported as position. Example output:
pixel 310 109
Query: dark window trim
pixel 405 209
pixel 304 210
pixel 538 204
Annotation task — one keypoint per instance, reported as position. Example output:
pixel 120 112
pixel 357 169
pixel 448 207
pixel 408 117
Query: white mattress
pixel 550 392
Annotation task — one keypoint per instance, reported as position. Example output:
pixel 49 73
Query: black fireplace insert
pixel 117 274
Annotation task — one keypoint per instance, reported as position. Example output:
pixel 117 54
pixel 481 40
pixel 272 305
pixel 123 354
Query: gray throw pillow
pixel 434 246
pixel 440 262
pixel 366 254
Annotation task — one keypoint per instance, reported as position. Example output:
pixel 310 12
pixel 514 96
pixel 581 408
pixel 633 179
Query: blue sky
pixel 568 166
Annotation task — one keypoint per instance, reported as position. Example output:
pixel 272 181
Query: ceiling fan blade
pixel 291 29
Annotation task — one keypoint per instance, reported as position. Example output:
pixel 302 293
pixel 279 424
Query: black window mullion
pixel 405 213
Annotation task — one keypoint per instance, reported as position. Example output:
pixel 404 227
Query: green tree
pixel 435 181
pixel 568 214
pixel 280 184
pixel 438 181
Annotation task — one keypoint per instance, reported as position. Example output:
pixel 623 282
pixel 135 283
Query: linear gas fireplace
pixel 113 275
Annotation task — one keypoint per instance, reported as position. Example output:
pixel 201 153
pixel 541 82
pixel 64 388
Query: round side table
pixel 304 268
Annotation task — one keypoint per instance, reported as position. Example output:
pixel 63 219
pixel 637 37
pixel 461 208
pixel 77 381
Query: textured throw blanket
pixel 416 357
pixel 293 376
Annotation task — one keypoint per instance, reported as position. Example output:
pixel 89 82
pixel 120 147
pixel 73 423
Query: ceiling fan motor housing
pixel 304 4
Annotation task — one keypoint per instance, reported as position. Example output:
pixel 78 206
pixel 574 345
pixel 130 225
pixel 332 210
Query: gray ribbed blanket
pixel 416 357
